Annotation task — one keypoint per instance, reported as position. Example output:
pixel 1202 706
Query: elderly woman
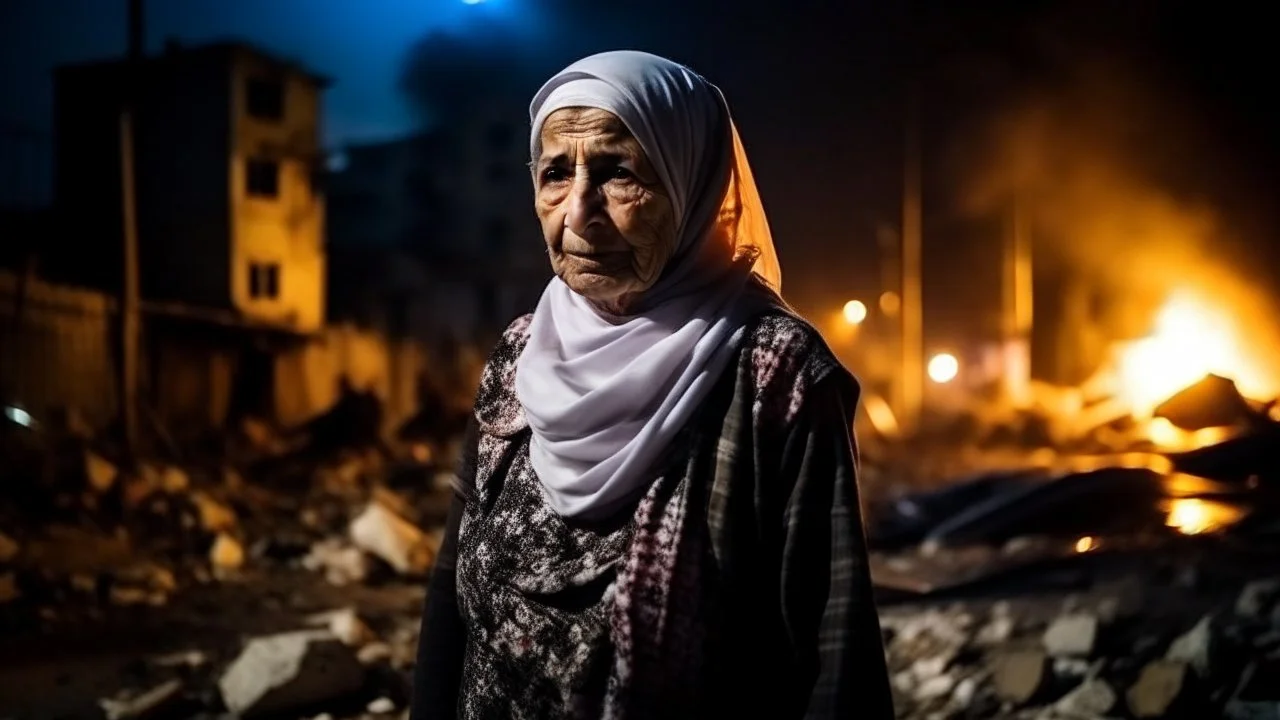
pixel 657 513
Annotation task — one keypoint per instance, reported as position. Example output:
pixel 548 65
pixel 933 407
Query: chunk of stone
pixel 1195 647
pixel 342 564
pixel 1092 698
pixel 1071 635
pixel 949 629
pixel 966 690
pixel 935 687
pixel 904 681
pixel 1020 675
pixel 1244 710
pixel 1160 687
pixel 147 704
pixel 1070 667
pixel 214 516
pixel 382 533
pixel 347 626
pixel 1258 598
pixel 100 472
pixel 929 668
pixel 278 673
pixel 226 556
pixel 374 653
pixel 998 630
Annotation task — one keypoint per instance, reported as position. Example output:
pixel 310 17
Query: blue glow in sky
pixel 360 45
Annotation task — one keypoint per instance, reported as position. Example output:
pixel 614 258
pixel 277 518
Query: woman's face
pixel 607 220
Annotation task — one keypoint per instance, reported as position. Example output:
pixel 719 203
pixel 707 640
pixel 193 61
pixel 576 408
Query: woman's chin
pixel 598 287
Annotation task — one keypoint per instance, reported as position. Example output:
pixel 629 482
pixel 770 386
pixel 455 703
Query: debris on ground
pixel 288 672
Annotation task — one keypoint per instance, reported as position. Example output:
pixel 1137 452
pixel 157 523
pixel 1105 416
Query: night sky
pixel 1159 104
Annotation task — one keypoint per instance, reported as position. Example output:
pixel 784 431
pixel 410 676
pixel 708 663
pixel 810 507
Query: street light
pixel 855 311
pixel 943 368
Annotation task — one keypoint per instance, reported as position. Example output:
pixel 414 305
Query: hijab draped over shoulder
pixel 604 395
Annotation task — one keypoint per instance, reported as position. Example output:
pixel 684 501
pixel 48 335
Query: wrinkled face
pixel 607 220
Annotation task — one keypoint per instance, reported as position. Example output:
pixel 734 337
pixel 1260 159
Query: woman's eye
pixel 621 173
pixel 554 175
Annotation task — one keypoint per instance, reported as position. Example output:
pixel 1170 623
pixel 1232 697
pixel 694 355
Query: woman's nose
pixel 585 204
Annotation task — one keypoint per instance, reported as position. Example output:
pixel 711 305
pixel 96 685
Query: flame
pixel 1085 544
pixel 1167 436
pixel 1192 516
pixel 1191 339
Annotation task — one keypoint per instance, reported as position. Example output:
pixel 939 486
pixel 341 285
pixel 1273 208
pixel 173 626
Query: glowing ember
pixel 1085 544
pixel 1191 340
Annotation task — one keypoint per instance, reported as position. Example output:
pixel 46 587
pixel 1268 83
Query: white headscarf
pixel 605 396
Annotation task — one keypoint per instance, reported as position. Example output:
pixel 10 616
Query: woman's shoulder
pixel 497 408
pixel 786 358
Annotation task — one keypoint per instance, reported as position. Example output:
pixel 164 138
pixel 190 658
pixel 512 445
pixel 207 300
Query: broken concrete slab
pixel 928 668
pixel 1072 634
pixel 382 533
pixel 997 631
pixel 1195 647
pixel 374 653
pixel 966 690
pixel 347 626
pixel 1020 676
pixel 1161 687
pixel 1258 598
pixel 341 563
pixel 1091 699
pixel 288 671
pixel 144 705
pixel 935 687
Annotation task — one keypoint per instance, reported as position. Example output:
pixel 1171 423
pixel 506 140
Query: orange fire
pixel 1191 339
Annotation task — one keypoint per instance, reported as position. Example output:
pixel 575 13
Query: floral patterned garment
pixel 537 592
pixel 737 584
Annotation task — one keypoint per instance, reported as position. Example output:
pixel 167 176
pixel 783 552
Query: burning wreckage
pixel 1127 571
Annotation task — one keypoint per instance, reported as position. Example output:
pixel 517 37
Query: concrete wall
pixel 307 378
pixel 57 349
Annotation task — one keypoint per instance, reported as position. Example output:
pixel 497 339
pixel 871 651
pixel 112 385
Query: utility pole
pixel 130 325
pixel 911 385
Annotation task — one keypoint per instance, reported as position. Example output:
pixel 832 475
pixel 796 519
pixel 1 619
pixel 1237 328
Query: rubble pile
pixel 1086 657
pixel 92 542
pixel 139 537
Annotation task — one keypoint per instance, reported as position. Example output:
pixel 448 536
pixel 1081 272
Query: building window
pixel 264 98
pixel 262 178
pixel 264 281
